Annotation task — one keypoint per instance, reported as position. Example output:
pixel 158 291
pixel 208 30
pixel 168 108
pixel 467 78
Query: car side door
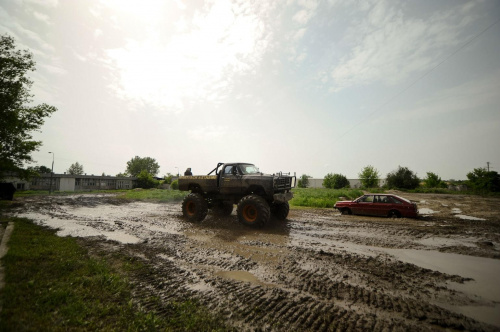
pixel 230 180
pixel 381 205
pixel 363 205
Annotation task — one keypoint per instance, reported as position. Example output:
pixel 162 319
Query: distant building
pixel 69 182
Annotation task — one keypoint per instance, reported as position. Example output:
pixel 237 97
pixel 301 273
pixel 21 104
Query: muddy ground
pixel 317 271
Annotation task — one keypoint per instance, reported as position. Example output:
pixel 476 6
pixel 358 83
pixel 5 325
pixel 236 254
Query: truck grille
pixel 283 182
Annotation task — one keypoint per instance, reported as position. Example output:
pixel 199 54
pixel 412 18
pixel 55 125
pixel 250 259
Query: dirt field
pixel 316 271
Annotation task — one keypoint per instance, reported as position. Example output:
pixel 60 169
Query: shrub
pixel 433 181
pixel 402 178
pixel 482 180
pixel 369 177
pixel 145 180
pixel 175 185
pixel 335 181
pixel 303 181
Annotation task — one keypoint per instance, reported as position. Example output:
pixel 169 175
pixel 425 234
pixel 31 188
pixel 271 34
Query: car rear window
pixel 394 200
pixel 403 199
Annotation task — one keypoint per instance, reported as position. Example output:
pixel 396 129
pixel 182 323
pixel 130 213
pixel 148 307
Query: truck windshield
pixel 249 169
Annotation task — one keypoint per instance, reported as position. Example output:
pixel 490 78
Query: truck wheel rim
pixel 250 213
pixel 191 208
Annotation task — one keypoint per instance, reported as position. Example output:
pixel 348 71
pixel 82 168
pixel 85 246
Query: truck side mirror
pixel 233 171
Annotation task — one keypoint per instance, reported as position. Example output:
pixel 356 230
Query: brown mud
pixel 317 271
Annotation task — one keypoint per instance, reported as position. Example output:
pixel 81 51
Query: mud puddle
pixel 316 271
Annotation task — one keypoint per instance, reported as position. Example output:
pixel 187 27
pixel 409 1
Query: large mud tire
pixel 194 207
pixel 253 211
pixel 223 209
pixel 280 210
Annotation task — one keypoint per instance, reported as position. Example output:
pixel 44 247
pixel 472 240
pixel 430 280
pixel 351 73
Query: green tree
pixel 303 181
pixel 167 179
pixel 137 164
pixel 145 180
pixel 434 181
pixel 40 170
pixel 369 177
pixel 18 117
pixel 335 181
pixel 75 169
pixel 482 180
pixel 402 178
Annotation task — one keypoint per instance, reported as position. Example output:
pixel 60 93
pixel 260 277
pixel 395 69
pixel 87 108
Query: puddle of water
pixel 461 216
pixel 484 271
pixel 426 211
pixel 110 221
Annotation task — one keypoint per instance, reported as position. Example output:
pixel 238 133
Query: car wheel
pixel 394 214
pixel 280 210
pixel 345 211
pixel 194 207
pixel 253 211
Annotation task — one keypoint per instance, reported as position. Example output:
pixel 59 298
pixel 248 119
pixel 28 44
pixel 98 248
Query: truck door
pixel 230 180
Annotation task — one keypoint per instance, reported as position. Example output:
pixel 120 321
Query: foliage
pixel 175 185
pixel 481 180
pixel 167 179
pixel 40 170
pixel 335 181
pixel 137 164
pixel 75 169
pixel 322 197
pixel 402 178
pixel 434 181
pixel 145 180
pixel 122 175
pixel 18 118
pixel 303 181
pixel 53 284
pixel 369 177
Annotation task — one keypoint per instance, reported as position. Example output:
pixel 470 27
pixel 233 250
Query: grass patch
pixel 322 197
pixel 52 284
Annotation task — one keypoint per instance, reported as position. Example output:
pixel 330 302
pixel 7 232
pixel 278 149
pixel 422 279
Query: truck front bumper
pixel 283 198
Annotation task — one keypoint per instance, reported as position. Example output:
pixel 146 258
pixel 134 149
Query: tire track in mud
pixel 304 299
pixel 299 284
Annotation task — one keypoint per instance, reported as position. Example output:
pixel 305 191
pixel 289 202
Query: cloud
pixel 42 17
pixel 469 96
pixel 208 133
pixel 220 42
pixel 306 12
pixel 43 3
pixel 388 46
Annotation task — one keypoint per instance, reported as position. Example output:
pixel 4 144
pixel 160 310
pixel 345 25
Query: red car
pixel 379 205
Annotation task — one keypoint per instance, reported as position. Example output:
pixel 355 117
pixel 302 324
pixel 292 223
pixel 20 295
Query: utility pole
pixel 488 163
pixel 52 172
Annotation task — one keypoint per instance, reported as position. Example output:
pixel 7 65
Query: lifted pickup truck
pixel 257 195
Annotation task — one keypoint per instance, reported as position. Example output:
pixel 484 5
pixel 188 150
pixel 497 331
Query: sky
pixel 304 86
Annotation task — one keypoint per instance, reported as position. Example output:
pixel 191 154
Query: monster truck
pixel 257 195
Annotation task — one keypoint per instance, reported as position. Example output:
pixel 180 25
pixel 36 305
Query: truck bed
pixel 207 182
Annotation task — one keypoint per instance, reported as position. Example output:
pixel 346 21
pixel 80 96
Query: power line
pixel 378 109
